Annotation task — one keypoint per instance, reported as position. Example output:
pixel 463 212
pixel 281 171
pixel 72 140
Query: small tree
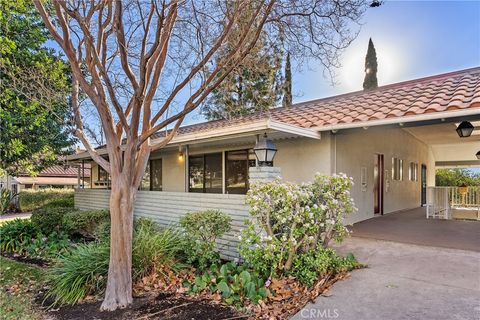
pixel 370 81
pixel 287 84
pixel 145 65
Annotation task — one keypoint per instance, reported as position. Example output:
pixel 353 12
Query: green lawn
pixel 19 282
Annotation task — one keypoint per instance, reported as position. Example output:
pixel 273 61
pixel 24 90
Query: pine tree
pixel 287 84
pixel 370 81
pixel 254 85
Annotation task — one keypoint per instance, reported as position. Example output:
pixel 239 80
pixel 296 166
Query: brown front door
pixel 378 184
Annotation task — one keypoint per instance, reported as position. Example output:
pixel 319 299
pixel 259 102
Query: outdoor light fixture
pixel 265 151
pixel 478 155
pixel 180 153
pixel 465 129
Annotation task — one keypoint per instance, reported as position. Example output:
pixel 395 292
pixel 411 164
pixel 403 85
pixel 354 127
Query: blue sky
pixel 413 39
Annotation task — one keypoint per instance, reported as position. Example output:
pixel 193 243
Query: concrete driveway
pixel 403 281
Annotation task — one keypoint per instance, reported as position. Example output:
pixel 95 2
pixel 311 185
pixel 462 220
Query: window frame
pixel 397 169
pixel 204 188
pixel 239 190
pixel 413 171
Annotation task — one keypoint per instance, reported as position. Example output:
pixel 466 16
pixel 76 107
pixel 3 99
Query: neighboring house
pixel 390 140
pixel 57 176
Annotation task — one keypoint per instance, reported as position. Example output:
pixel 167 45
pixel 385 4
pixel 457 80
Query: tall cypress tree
pixel 370 81
pixel 287 85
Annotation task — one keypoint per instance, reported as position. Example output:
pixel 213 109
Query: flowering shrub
pixel 289 219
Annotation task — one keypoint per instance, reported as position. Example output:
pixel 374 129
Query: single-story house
pixel 390 140
pixel 56 176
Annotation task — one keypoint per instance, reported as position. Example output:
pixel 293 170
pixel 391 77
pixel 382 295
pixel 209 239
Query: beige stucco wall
pixel 347 151
pixel 299 159
pixel 358 148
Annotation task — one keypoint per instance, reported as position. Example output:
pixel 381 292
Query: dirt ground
pixel 162 306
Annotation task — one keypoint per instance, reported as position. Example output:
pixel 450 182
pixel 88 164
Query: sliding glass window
pixel 152 179
pixel 205 173
pixel 237 164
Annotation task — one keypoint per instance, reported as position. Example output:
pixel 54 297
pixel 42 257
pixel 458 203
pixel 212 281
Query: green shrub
pixel 84 223
pixel 154 247
pixel 48 247
pixel 48 220
pixel 16 234
pixel 309 266
pixel 202 228
pixel 67 202
pixel 236 284
pixel 289 219
pixel 80 272
pixel 84 270
pixel 23 237
pixel 35 199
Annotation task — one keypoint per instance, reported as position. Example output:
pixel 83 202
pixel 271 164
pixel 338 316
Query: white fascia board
pixel 228 132
pixel 284 127
pixel 396 120
pixel 245 129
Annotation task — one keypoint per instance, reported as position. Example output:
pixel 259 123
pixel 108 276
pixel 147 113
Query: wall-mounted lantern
pixel 465 129
pixel 265 151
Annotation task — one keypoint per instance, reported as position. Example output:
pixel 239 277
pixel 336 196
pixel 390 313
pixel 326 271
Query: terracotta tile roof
pixel 448 92
pixel 61 171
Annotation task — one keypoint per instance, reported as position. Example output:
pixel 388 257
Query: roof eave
pixel 401 120
pixel 247 129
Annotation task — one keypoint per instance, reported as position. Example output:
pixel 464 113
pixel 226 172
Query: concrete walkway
pixel 413 227
pixel 403 281
pixel 23 215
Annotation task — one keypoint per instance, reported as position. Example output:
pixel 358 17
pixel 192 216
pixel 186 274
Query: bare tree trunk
pixel 119 285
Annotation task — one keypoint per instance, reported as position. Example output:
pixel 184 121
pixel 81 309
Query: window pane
pixel 236 166
pixel 145 185
pixel 400 169
pixel 195 169
pixel 156 172
pixel 102 174
pixel 213 173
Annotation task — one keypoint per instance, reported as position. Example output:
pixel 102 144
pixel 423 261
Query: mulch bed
pixel 167 306
pixel 18 257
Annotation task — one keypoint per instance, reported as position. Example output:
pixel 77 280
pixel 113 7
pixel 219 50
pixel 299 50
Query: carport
pixel 412 227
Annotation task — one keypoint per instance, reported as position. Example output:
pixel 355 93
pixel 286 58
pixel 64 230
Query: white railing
pixel 468 197
pixel 438 204
pixel 442 200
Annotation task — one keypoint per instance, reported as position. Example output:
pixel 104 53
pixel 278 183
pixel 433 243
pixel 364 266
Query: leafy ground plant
pixel 236 284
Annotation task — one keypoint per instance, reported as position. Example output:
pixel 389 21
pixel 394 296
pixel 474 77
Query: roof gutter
pixel 401 120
